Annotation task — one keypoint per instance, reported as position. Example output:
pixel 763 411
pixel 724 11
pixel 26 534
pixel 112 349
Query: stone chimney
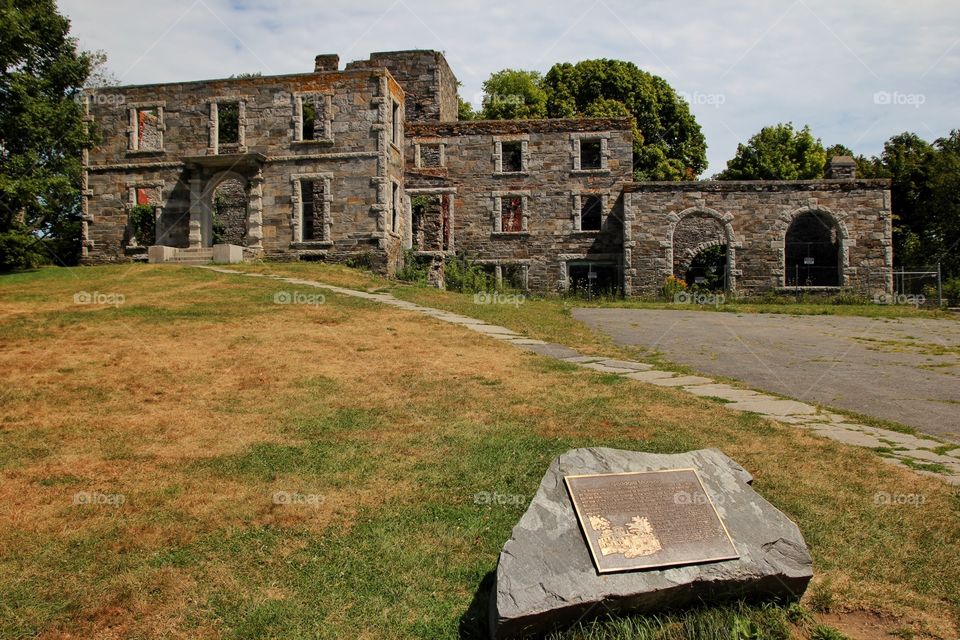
pixel 326 62
pixel 841 168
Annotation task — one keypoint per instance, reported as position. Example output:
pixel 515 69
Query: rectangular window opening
pixel 395 124
pixel 430 156
pixel 228 123
pixel 309 119
pixel 591 213
pixel 511 156
pixel 593 278
pixel 514 276
pixel 312 195
pixel 591 155
pixel 148 129
pixel 395 207
pixel 511 214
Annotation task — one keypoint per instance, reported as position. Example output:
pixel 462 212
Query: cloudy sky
pixel 856 71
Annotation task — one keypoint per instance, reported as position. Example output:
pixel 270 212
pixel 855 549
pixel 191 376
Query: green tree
pixel 778 153
pixel 668 143
pixel 465 110
pixel 907 160
pixel 512 94
pixel 42 134
pixel 940 234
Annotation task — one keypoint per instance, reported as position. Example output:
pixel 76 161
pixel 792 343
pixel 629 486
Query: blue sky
pixel 856 71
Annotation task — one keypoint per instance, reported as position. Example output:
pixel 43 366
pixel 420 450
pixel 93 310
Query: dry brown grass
pixel 137 403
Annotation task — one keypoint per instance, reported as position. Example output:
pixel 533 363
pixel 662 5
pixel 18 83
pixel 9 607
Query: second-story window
pixel 228 123
pixel 395 207
pixel 311 222
pixel 591 213
pixel 511 214
pixel 146 127
pixel 309 119
pixel 395 123
pixel 591 154
pixel 511 154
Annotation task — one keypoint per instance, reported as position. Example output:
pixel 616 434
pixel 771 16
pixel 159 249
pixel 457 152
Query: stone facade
pixel 363 163
pixel 544 196
pixel 356 153
pixel 751 219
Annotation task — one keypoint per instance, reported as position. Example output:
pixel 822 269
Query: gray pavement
pixel 906 370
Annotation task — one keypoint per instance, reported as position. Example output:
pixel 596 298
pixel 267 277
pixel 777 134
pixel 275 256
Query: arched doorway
pixel 812 251
pixel 708 269
pixel 702 255
pixel 228 212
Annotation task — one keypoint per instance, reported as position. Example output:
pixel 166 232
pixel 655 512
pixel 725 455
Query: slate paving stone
pixel 681 381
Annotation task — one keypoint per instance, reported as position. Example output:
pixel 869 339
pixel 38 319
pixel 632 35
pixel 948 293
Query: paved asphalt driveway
pixel 906 370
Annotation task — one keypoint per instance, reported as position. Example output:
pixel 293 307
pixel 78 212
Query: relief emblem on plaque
pixel 633 541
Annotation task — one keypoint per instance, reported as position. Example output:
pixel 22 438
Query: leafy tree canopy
pixel 668 142
pixel 41 133
pixel 779 153
pixel 514 95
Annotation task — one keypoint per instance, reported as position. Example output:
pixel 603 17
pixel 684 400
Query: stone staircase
pixel 192 256
pixel 220 253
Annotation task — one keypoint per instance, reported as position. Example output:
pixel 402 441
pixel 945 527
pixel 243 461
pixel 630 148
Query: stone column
pixel 255 212
pixel 196 213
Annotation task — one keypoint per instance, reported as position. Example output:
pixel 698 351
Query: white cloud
pixel 809 61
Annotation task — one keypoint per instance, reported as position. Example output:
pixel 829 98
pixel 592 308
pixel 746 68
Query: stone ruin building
pixel 369 165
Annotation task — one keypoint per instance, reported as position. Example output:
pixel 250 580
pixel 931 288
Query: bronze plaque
pixel 648 519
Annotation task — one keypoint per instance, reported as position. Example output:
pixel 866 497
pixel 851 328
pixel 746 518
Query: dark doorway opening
pixel 812 249
pixel 708 269
pixel 593 278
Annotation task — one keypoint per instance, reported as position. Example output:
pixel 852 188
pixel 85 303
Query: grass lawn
pixel 200 462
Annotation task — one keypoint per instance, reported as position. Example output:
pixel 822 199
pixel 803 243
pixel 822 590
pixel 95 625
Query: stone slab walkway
pixel 920 454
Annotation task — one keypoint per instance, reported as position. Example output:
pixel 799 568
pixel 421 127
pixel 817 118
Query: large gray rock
pixel 546 577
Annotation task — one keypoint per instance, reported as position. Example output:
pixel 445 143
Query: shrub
pixel 361 261
pixel 20 250
pixel 951 291
pixel 414 268
pixel 463 275
pixel 143 223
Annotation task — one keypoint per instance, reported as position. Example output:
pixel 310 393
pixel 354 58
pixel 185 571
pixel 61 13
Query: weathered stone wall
pixel 185 163
pixel 755 216
pixel 389 124
pixel 548 185
pixel 426 78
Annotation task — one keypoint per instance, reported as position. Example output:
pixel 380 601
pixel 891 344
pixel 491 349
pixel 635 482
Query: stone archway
pixel 226 210
pixel 814 249
pixel 694 230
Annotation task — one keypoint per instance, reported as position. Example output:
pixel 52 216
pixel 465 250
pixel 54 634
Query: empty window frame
pixel 511 156
pixel 513 276
pixel 228 123
pixel 312 223
pixel 511 214
pixel 148 129
pixel 591 153
pixel 431 155
pixel 395 123
pixel 591 213
pixel 593 278
pixel 310 122
pixel 312 117
pixel 395 207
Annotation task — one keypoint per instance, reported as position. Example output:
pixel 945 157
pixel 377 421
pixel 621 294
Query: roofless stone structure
pixel 368 161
